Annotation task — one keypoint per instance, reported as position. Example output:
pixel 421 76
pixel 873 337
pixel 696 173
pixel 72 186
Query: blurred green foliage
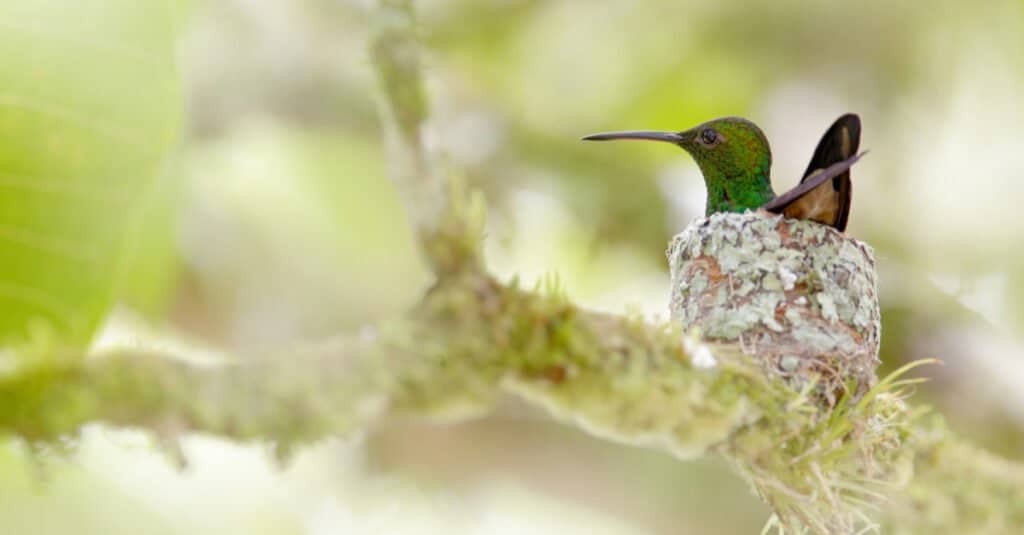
pixel 89 107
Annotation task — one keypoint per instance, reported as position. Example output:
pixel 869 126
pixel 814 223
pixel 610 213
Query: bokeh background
pixel 236 144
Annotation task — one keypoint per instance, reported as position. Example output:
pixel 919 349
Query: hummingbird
pixel 735 159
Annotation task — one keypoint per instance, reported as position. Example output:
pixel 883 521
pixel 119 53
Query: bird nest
pixel 798 296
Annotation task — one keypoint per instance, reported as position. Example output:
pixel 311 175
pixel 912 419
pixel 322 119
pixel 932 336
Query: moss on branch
pixel 448 222
pixel 955 487
pixel 469 343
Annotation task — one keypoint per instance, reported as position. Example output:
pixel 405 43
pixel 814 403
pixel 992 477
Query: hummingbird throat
pixel 747 191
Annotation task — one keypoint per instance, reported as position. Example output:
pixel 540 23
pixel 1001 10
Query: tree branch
pixel 448 223
pixel 469 342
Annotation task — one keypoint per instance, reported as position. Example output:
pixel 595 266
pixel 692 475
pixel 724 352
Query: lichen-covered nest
pixel 799 296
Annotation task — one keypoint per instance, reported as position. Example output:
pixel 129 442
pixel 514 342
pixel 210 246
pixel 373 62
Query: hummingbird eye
pixel 709 137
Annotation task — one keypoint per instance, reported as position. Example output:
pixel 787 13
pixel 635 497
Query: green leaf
pixel 89 107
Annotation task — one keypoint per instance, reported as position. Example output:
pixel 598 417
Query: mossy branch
pixel 861 461
pixel 448 223
pixel 473 341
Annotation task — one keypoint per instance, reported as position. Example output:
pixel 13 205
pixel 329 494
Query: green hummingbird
pixel 735 159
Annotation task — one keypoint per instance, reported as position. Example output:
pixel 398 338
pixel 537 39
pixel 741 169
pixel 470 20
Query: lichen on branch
pixel 471 342
pixel 448 221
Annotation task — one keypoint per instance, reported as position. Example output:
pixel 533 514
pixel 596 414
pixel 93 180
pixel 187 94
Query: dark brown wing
pixel 779 204
pixel 826 203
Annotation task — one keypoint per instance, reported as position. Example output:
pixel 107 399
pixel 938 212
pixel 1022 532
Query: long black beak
pixel 671 137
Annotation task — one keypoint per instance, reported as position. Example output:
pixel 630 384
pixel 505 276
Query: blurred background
pixel 234 146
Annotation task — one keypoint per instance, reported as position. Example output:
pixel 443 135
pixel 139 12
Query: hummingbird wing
pixel 825 201
pixel 820 179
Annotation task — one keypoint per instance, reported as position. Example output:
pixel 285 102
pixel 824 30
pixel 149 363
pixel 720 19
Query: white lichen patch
pixel 701 356
pixel 788 278
pixel 802 296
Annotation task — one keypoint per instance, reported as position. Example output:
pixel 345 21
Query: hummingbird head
pixel 732 153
